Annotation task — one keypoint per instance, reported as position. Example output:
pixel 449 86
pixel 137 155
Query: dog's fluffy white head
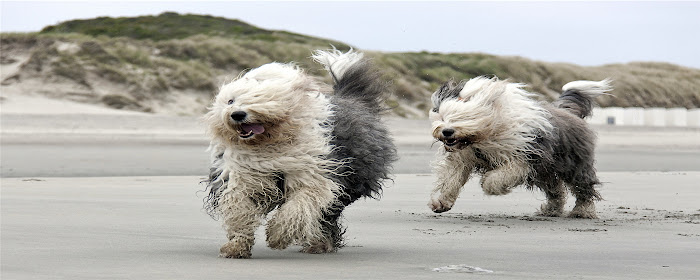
pixel 274 103
pixel 487 113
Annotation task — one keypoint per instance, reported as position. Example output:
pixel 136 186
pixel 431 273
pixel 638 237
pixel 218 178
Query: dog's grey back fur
pixel 568 151
pixel 360 140
pixel 359 134
pixel 361 82
pixel 567 154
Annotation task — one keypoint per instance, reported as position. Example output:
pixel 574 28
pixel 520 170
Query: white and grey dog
pixel 494 128
pixel 285 143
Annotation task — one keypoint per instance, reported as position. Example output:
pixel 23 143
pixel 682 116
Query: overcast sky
pixel 585 33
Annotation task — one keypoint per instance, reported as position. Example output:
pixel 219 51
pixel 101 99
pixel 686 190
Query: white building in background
pixel 694 117
pixel 655 116
pixel 608 115
pixel 666 117
pixel 676 117
pixel 633 116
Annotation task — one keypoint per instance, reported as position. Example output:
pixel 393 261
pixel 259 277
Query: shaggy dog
pixel 494 128
pixel 280 145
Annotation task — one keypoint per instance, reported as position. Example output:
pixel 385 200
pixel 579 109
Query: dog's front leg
pixel 502 180
pixel 452 172
pixel 297 220
pixel 241 217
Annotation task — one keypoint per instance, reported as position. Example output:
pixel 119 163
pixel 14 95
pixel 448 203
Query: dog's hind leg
pixel 585 196
pixel 502 180
pixel 298 219
pixel 583 189
pixel 453 172
pixel 332 238
pixel 556 198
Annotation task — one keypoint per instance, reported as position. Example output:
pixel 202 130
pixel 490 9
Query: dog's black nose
pixel 447 132
pixel 238 115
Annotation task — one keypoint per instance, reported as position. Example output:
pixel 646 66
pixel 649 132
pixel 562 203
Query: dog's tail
pixel 353 76
pixel 578 96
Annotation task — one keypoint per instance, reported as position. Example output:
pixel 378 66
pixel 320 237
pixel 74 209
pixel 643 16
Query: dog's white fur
pixel 292 108
pixel 592 88
pixel 337 62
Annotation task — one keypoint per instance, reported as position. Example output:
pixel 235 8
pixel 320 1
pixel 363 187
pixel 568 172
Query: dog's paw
pixel 583 210
pixel 278 244
pixel 277 237
pixel 582 214
pixel 235 250
pixel 440 205
pixel 547 210
pixel 551 208
pixel 319 247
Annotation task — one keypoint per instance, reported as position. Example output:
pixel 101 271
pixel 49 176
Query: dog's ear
pixel 449 90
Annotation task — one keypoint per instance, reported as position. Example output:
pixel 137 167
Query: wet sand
pixel 154 228
pixel 70 145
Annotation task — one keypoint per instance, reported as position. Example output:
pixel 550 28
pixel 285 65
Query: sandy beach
pixel 154 228
pixel 92 193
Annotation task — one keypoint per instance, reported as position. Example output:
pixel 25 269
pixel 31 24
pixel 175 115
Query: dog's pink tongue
pixel 254 127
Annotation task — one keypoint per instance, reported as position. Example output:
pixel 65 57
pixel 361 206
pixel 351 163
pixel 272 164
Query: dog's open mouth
pixel 451 142
pixel 247 130
pixel 456 142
